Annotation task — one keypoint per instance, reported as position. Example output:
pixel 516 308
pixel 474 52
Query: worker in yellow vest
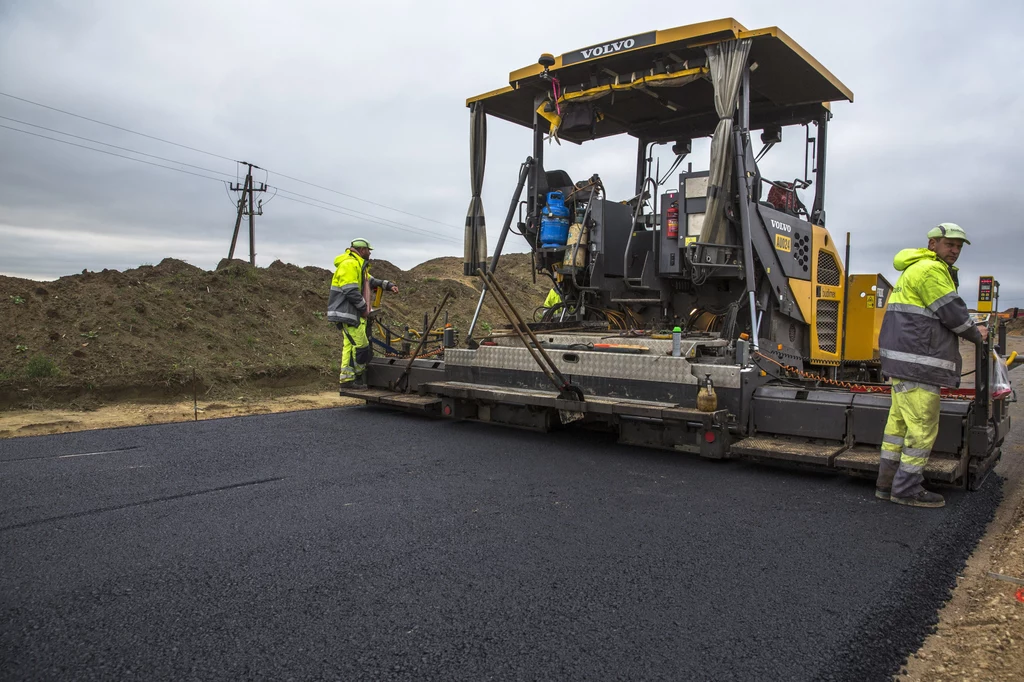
pixel 919 344
pixel 349 307
pixel 552 300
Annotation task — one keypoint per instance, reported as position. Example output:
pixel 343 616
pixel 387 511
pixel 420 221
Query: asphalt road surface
pixel 356 543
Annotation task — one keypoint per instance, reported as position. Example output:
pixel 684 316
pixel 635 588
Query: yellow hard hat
pixel 361 244
pixel 949 231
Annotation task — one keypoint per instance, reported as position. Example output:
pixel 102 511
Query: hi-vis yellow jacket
pixel 925 315
pixel 347 302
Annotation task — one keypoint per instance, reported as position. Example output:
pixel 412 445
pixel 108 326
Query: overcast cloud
pixel 371 102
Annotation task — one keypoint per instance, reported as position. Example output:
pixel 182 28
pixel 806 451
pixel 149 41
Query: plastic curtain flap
pixel 727 61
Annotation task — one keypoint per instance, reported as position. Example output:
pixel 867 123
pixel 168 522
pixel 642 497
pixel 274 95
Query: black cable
pixel 103 151
pixel 326 208
pixel 352 196
pixel 107 144
pixel 219 156
pixel 352 210
pixel 111 125
pixel 367 217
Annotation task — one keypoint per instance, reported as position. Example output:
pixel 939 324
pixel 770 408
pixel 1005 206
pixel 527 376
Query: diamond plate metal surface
pixel 664 368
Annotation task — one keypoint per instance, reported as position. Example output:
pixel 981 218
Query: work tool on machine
pixel 402 384
pixel 566 390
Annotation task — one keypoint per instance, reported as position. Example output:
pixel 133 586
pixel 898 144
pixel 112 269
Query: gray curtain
pixel 475 241
pixel 727 62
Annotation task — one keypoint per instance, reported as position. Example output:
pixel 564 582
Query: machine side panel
pixel 791 238
pixel 613 222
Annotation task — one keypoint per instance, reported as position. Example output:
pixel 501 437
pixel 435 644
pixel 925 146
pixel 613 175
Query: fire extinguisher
pixel 672 224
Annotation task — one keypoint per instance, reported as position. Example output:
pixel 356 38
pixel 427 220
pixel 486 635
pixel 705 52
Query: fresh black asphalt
pixel 357 543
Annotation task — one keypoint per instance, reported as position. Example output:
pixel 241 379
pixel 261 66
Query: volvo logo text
pixel 608 48
pixel 782 227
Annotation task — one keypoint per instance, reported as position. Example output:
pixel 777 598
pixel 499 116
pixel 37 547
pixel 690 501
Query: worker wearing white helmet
pixel 349 306
pixel 920 351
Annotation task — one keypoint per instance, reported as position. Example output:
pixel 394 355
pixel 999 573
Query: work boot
pixel 925 498
pixel 360 382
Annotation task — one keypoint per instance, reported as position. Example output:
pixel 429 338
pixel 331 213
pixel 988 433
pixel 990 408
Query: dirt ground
pixel 980 635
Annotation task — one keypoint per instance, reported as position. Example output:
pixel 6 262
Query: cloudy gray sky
pixel 370 102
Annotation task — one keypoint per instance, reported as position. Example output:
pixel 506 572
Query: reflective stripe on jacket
pixel 351 275
pixel 925 315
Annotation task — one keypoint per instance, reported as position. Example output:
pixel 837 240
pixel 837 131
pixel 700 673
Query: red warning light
pixel 709 436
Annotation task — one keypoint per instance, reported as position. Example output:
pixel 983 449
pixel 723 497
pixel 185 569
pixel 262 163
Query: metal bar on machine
pixel 743 181
pixel 520 333
pixel 846 300
pixel 565 388
pixel 423 339
pixel 524 171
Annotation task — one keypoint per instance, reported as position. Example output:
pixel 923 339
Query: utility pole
pixel 245 207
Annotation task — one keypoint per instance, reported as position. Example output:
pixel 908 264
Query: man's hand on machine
pixel 984 332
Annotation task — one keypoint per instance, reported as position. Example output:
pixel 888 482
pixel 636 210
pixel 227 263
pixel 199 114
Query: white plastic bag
pixel 1000 377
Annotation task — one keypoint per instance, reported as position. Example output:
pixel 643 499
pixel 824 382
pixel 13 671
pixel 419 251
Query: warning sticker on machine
pixel 783 243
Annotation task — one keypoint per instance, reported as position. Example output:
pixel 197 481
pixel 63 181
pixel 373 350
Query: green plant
pixel 20 348
pixel 90 334
pixel 318 315
pixel 431 279
pixel 486 327
pixel 18 300
pixel 41 366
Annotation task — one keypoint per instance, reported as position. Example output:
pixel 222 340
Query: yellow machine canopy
pixel 655 86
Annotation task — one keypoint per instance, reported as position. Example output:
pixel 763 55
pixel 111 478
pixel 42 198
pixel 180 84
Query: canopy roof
pixel 651 92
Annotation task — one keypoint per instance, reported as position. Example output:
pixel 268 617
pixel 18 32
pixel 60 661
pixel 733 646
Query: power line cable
pixel 352 196
pixel 104 151
pixel 352 210
pixel 326 208
pixel 220 156
pixel 111 125
pixel 367 217
pixel 107 144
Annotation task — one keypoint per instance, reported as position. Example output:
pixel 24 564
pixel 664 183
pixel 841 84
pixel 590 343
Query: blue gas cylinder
pixel 554 222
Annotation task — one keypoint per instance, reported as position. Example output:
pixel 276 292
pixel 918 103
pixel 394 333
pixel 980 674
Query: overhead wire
pixel 352 213
pixel 334 210
pixel 359 213
pixel 221 156
pixel 104 151
pixel 114 146
pixel 352 196
pixel 111 125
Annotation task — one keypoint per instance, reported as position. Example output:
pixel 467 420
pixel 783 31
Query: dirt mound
pixel 1015 327
pixel 140 333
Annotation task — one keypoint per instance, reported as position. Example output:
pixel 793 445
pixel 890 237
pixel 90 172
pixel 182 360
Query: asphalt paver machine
pixel 709 312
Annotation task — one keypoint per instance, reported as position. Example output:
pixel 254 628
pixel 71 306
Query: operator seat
pixel 783 197
pixel 557 181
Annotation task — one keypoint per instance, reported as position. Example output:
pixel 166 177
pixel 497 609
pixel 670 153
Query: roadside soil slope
pixel 140 334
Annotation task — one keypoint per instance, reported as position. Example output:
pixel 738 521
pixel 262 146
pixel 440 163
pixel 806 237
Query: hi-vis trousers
pixel 909 435
pixel 355 351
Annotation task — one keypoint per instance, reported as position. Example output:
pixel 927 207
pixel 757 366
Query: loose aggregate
pixel 365 544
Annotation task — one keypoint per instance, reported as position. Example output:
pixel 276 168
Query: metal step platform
pixel 412 402
pixel 939 468
pixel 788 450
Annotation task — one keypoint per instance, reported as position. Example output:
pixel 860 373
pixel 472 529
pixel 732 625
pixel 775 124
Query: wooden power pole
pixel 245 207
